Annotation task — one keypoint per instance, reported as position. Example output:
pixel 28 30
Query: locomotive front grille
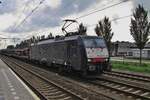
pixel 92 67
pixel 97 67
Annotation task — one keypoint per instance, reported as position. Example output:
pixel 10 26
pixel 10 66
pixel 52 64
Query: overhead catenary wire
pixel 22 22
pixel 5 39
pixel 65 7
pixel 17 21
pixel 77 17
pixel 93 12
pixel 115 19
pixel 41 2
pixel 85 15
pixel 19 16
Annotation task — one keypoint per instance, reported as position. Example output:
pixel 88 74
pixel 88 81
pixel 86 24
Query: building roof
pixel 126 44
pixel 146 46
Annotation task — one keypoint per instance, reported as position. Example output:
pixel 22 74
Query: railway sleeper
pixel 116 86
pixel 56 93
pixel 137 92
pixel 128 90
pixel 130 77
pixel 145 94
pixel 57 96
pixel 123 92
pixel 67 98
pixel 53 90
pixel 122 87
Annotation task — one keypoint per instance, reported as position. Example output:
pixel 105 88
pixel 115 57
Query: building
pixel 129 49
pixel 145 52
pixel 122 48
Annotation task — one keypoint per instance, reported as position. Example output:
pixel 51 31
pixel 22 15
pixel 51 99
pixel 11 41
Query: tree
pixel 140 28
pixel 38 38
pixel 42 37
pixel 82 29
pixel 103 29
pixel 50 36
pixel 33 39
pixel 10 47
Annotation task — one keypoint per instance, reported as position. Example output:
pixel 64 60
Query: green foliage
pixel 103 29
pixel 10 47
pixel 140 28
pixel 82 29
pixel 132 66
pixel 33 39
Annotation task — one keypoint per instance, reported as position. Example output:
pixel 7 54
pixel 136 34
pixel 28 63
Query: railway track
pixel 46 89
pixel 129 76
pixel 112 89
pixel 141 82
pixel 128 89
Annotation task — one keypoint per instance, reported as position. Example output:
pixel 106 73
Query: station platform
pixel 12 87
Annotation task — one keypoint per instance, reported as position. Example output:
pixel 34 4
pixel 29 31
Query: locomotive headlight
pixel 89 60
pixel 106 59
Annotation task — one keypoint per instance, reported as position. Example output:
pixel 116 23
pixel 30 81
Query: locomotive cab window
pixel 94 43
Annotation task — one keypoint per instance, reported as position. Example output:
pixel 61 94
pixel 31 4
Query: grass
pixel 131 66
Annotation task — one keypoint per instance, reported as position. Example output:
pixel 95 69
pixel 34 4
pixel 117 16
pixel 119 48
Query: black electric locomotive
pixel 80 53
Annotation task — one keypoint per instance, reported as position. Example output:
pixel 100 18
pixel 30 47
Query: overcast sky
pixel 49 15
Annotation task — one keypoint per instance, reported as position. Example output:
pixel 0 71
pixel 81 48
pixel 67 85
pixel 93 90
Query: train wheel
pixel 100 69
pixel 84 73
pixel 109 67
pixel 69 69
pixel 60 69
pixel 52 64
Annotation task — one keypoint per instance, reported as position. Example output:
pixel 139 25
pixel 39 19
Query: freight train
pixel 80 53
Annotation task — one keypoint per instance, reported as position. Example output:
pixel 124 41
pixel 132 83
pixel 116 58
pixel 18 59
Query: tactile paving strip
pixel 2 97
pixel 1 93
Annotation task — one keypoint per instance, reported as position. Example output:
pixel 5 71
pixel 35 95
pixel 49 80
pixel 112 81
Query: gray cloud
pixel 47 17
pixel 145 3
pixel 68 7
pixel 115 17
pixel 7 6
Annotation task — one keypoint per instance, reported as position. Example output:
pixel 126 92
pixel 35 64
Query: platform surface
pixel 11 86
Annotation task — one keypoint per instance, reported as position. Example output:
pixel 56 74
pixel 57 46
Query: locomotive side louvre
pixel 64 52
pixel 74 54
pixel 34 50
pixel 59 53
